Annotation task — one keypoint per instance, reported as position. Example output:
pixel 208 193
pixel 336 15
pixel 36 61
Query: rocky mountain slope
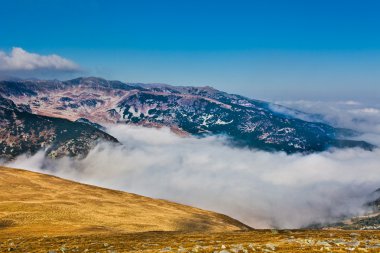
pixel 187 110
pixel 22 132
pixel 34 204
pixel 368 221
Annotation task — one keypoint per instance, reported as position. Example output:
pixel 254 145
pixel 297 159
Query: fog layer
pixel 259 188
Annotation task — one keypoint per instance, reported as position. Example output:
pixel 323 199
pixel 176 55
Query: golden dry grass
pixel 38 204
pixel 42 213
pixel 250 241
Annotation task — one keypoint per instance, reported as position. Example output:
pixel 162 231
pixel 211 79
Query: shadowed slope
pixel 22 132
pixel 38 204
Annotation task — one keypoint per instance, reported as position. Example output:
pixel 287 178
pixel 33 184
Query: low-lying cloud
pixel 259 188
pixel 21 61
pixel 364 118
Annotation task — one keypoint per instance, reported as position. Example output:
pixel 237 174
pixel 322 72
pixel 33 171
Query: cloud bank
pixel 21 61
pixel 355 115
pixel 259 188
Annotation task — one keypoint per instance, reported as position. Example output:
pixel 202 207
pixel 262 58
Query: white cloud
pixel 367 110
pixel 355 115
pixel 349 102
pixel 259 188
pixel 20 60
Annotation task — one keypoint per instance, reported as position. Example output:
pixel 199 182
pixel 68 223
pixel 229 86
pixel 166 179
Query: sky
pixel 272 50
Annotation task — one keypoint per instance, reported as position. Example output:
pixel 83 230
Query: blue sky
pixel 274 50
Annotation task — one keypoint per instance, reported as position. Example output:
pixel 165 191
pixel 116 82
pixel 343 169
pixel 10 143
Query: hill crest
pixel 37 204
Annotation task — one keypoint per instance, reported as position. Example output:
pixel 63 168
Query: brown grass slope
pixel 38 204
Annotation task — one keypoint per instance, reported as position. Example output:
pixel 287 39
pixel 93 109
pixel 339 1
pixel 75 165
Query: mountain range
pixel 70 117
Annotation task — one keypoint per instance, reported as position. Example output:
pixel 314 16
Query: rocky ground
pixel 250 241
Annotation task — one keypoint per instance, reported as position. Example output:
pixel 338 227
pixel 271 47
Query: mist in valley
pixel 261 189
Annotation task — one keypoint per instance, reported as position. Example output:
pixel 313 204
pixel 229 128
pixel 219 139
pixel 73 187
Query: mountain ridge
pixel 187 110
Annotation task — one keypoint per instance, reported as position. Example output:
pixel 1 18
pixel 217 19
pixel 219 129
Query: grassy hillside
pixel 42 213
pixel 38 204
